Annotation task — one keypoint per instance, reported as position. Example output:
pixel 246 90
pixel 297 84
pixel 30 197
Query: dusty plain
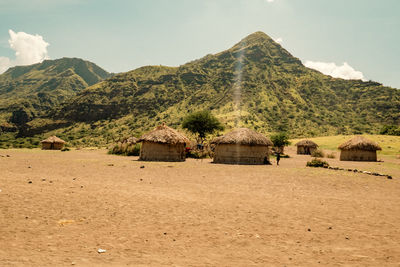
pixel 59 208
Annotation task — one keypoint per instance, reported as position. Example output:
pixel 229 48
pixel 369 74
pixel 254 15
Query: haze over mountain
pixel 274 90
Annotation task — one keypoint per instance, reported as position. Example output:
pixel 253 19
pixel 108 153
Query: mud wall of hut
pixel 241 154
pixel 150 151
pixel 301 150
pixel 52 146
pixel 358 155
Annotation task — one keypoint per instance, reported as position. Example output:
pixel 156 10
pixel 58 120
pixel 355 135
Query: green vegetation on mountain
pixel 255 84
pixel 390 130
pixel 27 92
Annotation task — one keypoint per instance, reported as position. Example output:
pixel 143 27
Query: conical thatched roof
pixel 53 139
pixel 307 143
pixel 243 136
pixel 360 143
pixel 165 135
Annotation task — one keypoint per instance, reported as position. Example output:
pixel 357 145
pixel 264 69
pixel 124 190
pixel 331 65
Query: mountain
pixel 29 91
pixel 204 83
pixel 277 93
pixel 256 78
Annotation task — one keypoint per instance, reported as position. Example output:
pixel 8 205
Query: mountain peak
pixel 47 83
pixel 89 71
pixel 259 46
pixel 258 37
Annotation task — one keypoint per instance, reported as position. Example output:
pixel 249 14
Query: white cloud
pixel 279 40
pixel 269 1
pixel 29 49
pixel 344 71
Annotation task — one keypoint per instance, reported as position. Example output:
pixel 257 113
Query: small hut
pixel 306 147
pixel 359 148
pixel 242 146
pixel 163 144
pixel 52 143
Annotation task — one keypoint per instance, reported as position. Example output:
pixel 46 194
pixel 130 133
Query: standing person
pixel 278 158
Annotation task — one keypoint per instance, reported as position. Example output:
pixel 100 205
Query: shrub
pixel 35 142
pixel 195 153
pixel 331 155
pixel 390 130
pixel 317 153
pixel 317 163
pixel 65 149
pixel 125 149
pixel 133 150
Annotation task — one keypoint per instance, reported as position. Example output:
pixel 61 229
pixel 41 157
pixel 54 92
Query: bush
pixel 317 163
pixel 65 149
pixel 133 150
pixel 390 130
pixel 317 153
pixel 125 149
pixel 195 153
pixel 331 155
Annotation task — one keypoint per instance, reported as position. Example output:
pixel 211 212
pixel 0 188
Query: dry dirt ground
pixel 59 208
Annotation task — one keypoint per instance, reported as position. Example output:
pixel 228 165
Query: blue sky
pixel 121 35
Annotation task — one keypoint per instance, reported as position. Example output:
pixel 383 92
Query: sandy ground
pixel 59 208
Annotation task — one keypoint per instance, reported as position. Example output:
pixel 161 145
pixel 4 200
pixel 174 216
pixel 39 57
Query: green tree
pixel 202 123
pixel 280 140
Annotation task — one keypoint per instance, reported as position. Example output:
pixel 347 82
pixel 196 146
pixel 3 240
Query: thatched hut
pixel 52 143
pixel 242 146
pixel 359 148
pixel 306 147
pixel 163 144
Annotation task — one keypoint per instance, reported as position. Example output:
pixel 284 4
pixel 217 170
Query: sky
pixel 351 39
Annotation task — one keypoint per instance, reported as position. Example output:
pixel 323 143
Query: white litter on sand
pixel 100 250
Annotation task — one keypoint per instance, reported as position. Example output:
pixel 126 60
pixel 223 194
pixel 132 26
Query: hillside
pixel 27 92
pixel 277 93
pixel 273 90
